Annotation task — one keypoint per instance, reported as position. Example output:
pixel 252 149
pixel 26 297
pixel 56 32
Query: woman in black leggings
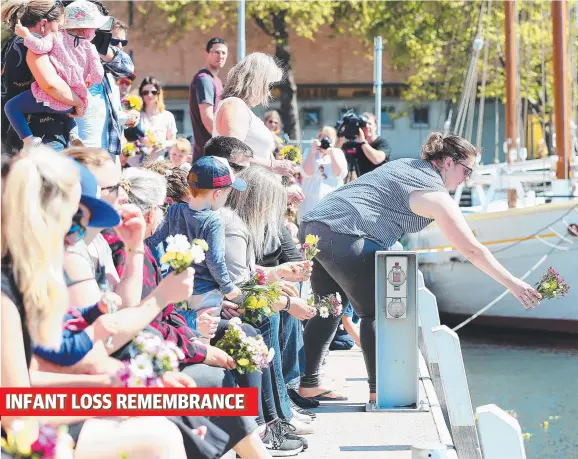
pixel 372 213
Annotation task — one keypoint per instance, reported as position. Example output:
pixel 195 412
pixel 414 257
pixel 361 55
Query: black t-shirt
pixel 10 289
pixel 17 78
pixel 364 165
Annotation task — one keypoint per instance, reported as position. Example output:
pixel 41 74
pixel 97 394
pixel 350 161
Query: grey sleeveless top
pixel 376 205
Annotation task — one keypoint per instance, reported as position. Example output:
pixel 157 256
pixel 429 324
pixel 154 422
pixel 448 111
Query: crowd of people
pixel 85 222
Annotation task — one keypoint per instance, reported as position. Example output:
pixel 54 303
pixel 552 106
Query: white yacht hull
pixel 462 290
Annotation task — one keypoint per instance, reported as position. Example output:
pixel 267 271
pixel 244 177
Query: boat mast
pixel 511 91
pixel 561 86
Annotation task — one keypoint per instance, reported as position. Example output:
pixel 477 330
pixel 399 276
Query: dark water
pixel 536 375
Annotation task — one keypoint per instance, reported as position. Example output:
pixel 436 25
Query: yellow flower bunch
pixel 291 153
pixel 132 102
pixel 129 150
pixel 20 437
pixel 309 248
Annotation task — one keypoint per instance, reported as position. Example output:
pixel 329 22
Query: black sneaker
pixel 301 401
pixel 279 445
pixel 286 429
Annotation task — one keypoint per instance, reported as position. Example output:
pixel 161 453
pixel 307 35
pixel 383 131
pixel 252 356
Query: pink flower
pixel 46 442
pixel 260 277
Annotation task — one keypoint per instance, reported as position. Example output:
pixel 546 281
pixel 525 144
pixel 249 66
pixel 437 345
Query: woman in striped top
pixel 372 213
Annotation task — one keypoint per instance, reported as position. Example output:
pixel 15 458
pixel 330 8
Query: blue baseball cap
pixel 212 173
pixel 102 214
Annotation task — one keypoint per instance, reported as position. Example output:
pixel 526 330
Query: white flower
pixel 197 253
pixel 235 321
pixel 338 296
pixel 270 355
pixel 324 312
pixel 142 366
pixel 178 244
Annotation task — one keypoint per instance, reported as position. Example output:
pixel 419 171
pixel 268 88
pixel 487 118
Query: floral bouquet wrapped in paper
pixel 551 285
pixel 151 358
pixel 26 439
pixel 149 143
pixel 132 102
pixel 180 254
pixel 309 248
pixel 250 353
pixel 259 297
pixel 291 153
pixel 330 304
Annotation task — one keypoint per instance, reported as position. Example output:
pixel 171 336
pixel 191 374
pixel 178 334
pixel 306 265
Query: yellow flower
pixel 251 303
pixel 20 437
pixel 134 102
pixel 187 258
pixel 262 303
pixel 546 285
pixel 168 257
pixel 202 244
pixel 311 239
pixel 243 362
pixel 179 257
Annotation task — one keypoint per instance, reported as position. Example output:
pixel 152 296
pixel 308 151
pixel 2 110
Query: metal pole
pixel 511 91
pixel 241 31
pixel 377 84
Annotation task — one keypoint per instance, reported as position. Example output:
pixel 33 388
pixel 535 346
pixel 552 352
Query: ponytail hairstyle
pixel 38 202
pixel 30 12
pixel 437 147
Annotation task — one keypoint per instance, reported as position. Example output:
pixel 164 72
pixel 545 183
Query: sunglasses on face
pixel 154 92
pixel 117 41
pixel 77 229
pixel 468 169
pixel 111 189
pixel 125 81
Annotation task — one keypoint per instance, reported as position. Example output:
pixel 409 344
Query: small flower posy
pixel 27 439
pixel 151 359
pixel 132 102
pixel 309 248
pixel 551 285
pixel 250 353
pixel 291 153
pixel 330 304
pixel 259 297
pixel 129 150
pixel 180 254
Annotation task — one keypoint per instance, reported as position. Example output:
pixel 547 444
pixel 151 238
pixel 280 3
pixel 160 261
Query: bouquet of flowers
pixel 29 440
pixel 180 254
pixel 291 153
pixel 250 353
pixel 309 248
pixel 151 358
pixel 551 285
pixel 258 298
pixel 330 304
pixel 149 143
pixel 132 102
pixel 129 150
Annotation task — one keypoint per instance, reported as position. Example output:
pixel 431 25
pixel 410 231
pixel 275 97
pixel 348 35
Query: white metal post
pixel 377 77
pixel 241 31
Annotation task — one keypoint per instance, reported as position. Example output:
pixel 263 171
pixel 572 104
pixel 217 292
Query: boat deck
pixel 345 430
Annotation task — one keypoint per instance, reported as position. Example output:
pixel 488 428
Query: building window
pixel 312 117
pixel 179 120
pixel 420 117
pixel 387 114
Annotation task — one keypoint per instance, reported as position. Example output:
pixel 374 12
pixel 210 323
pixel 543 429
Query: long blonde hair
pixel 251 79
pixel 37 206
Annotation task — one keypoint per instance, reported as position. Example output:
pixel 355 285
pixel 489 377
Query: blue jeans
pixel 24 103
pixel 270 331
pixel 292 353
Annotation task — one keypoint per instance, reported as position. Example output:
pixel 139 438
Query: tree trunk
pixel 289 110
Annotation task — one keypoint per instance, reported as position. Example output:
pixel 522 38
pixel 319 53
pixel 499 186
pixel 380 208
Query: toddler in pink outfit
pixel 74 58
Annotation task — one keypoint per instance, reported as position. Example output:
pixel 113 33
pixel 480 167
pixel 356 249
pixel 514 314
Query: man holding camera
pixel 372 150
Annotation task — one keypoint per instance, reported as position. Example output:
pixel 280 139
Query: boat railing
pixel 487 433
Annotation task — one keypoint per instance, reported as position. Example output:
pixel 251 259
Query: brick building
pixel 333 73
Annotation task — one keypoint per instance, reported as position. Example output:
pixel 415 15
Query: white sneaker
pixel 300 427
pixel 302 417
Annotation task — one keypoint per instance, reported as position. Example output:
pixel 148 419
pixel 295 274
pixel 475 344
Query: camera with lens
pixel 350 125
pixel 325 143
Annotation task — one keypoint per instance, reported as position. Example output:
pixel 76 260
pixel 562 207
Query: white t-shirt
pixel 162 124
pixel 323 181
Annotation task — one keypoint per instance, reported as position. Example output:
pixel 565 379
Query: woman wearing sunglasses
pixel 154 118
pixel 372 213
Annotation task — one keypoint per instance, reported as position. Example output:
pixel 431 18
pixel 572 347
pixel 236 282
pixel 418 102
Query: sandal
pixel 329 396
